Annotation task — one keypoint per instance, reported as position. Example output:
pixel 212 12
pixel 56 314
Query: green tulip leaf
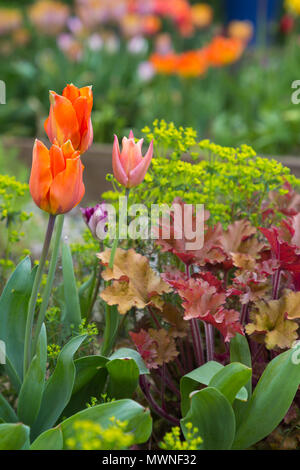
pixel 231 379
pixel 72 312
pixel 32 389
pixel 123 378
pixel 211 413
pixel 59 387
pixel 271 399
pixel 138 419
pixel 14 436
pixel 13 314
pixel 49 440
pixel 127 353
pixel 7 413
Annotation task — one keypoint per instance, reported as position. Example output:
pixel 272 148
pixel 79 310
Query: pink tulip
pixel 129 166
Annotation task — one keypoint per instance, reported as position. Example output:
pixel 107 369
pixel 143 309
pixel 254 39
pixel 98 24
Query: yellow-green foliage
pixel 172 439
pixel 230 182
pixel 12 195
pixel 91 436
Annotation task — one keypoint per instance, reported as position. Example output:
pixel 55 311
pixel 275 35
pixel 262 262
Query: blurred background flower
pixel 188 61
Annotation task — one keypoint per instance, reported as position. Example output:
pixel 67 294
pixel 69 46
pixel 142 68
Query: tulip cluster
pixel 56 183
pixel 221 51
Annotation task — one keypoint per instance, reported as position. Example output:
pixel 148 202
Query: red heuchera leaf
pixel 199 298
pixel 156 347
pixel 144 345
pixel 285 254
pixel 227 322
pixel 212 251
pixel 235 235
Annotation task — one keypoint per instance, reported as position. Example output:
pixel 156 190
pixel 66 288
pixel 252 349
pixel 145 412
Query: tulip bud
pixel 70 117
pixel 129 166
pixel 95 217
pixel 56 184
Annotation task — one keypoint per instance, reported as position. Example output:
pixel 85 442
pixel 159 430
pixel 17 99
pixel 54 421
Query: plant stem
pixel 244 313
pixel 197 341
pixel 34 293
pixel 109 335
pixel 209 336
pixel 50 279
pixel 95 293
pixel 156 408
pixel 196 334
pixel 276 283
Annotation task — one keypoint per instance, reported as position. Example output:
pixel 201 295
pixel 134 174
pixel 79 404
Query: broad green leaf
pixel 86 368
pixel 213 415
pixel 123 378
pixel 58 389
pixel 85 293
pixel 49 440
pixel 32 389
pixel 197 377
pixel 191 381
pixel 270 401
pixel 7 413
pixel 138 418
pixel 14 436
pixel 112 318
pixel 231 379
pixel 128 353
pixel 94 388
pixel 240 352
pixel 13 313
pixel 71 299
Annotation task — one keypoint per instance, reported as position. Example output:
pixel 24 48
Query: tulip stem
pixel 34 293
pixel 50 279
pixel 111 314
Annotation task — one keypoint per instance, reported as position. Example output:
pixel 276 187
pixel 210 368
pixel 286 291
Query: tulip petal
pixel 88 94
pixel 71 92
pixel 131 154
pixel 57 160
pixel 41 175
pixel 62 123
pixel 137 175
pixel 67 188
pixel 118 169
pixel 87 138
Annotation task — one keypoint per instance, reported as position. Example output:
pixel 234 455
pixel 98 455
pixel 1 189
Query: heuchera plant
pixel 204 338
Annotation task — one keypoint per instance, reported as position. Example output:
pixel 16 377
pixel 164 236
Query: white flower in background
pixel 95 42
pixel 145 71
pixel 137 45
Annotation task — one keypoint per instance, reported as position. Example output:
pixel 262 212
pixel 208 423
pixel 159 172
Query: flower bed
pixel 177 316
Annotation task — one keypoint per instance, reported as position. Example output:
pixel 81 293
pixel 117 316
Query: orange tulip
pixel 129 166
pixel 224 51
pixel 56 184
pixel 70 117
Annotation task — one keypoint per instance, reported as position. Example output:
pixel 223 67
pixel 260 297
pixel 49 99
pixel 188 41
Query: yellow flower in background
pixel 293 6
pixel 10 20
pixel 242 30
pixel 202 15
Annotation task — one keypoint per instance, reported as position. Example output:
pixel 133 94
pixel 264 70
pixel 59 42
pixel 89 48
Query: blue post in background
pixel 261 13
